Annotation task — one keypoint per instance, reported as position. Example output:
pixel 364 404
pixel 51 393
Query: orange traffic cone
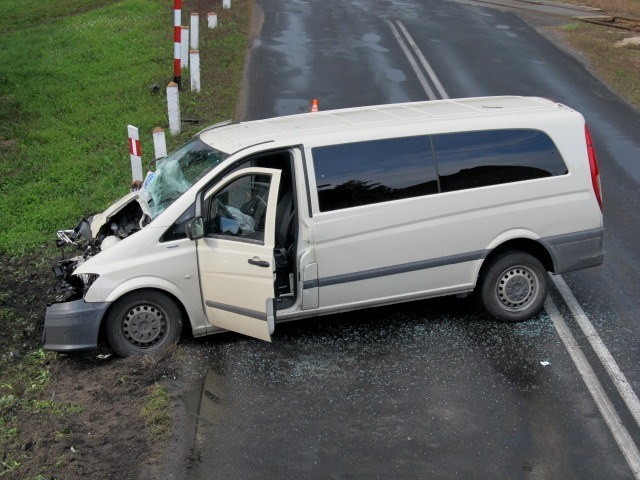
pixel 314 105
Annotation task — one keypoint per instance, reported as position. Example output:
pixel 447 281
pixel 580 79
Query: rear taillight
pixel 593 166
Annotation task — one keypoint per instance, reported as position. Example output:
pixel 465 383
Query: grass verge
pixel 618 66
pixel 74 74
pixel 611 7
pixel 156 411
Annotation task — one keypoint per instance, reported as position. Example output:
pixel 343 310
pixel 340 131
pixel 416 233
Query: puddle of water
pixel 396 75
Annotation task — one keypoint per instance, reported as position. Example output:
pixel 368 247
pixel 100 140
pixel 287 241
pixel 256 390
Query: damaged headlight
pixel 69 287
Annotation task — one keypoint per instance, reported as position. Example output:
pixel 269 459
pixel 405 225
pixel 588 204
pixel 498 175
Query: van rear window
pixel 354 174
pixel 479 159
pixel 363 173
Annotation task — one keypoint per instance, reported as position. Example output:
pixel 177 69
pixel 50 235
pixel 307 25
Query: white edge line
pixel 414 64
pixel 624 388
pixel 423 60
pixel 613 421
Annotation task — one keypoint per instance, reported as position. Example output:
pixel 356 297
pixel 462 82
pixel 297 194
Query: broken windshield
pixel 177 172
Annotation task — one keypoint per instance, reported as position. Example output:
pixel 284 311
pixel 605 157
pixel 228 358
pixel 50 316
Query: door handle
pixel 257 262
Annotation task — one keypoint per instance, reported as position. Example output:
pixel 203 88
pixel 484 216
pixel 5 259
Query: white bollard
pixel 195 30
pixel 226 4
pixel 212 20
pixel 195 70
pixel 184 47
pixel 159 143
pixel 173 107
pixel 135 152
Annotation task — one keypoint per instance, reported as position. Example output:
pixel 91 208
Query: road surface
pixel 433 389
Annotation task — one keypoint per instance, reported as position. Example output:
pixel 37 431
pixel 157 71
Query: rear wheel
pixel 142 323
pixel 514 286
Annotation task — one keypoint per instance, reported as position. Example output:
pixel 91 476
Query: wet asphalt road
pixel 428 389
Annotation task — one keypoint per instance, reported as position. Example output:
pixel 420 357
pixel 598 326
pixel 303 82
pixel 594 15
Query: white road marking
pixel 622 384
pixel 611 417
pixel 613 421
pixel 414 64
pixel 432 75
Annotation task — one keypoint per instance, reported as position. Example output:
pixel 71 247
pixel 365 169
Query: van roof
pixel 293 129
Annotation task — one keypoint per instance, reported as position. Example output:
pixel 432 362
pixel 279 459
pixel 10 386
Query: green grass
pixel 67 92
pixel 25 13
pixel 71 82
pixel 73 75
pixel 156 411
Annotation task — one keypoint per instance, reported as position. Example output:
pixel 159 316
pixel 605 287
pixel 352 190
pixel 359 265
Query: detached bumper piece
pixel 73 326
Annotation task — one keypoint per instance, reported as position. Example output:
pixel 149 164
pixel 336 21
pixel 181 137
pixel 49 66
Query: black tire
pixel 143 322
pixel 514 286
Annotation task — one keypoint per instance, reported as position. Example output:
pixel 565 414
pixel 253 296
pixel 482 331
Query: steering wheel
pixel 221 207
pixel 250 207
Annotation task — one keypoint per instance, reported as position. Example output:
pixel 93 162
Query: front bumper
pixel 73 326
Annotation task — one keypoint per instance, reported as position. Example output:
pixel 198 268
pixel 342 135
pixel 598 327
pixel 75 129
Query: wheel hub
pixel 144 325
pixel 517 288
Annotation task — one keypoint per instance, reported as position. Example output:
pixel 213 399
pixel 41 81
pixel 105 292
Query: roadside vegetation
pixel 611 7
pixel 74 74
pixel 156 411
pixel 612 53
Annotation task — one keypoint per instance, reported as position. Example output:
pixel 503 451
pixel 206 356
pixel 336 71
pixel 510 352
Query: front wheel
pixel 142 323
pixel 514 286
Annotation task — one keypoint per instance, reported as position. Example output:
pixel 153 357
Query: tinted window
pixel 477 159
pixel 362 173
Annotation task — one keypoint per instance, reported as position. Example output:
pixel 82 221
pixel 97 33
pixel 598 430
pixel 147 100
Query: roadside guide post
pixel 177 49
pixel 135 152
pixel 173 107
pixel 226 4
pixel 184 47
pixel 212 20
pixel 195 70
pixel 195 31
pixel 159 143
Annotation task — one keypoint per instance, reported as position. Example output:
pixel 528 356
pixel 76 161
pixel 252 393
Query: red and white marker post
pixel 177 48
pixel 135 152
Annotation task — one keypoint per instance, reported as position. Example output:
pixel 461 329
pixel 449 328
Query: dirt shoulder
pixel 94 415
pixel 611 54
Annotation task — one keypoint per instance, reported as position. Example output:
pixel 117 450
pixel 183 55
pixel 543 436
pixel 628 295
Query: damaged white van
pixel 286 218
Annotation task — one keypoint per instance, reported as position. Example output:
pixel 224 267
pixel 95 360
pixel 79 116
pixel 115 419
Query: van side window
pixel 239 210
pixel 362 173
pixel 478 159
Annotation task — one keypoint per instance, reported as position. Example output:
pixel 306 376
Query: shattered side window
pixel 177 172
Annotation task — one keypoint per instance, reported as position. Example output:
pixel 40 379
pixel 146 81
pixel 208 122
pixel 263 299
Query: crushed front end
pixel 71 324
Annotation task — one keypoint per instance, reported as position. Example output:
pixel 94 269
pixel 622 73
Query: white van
pixel 274 220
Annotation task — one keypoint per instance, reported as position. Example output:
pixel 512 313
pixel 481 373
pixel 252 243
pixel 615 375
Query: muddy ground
pixel 86 421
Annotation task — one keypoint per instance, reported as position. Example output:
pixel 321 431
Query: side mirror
pixel 229 225
pixel 195 228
